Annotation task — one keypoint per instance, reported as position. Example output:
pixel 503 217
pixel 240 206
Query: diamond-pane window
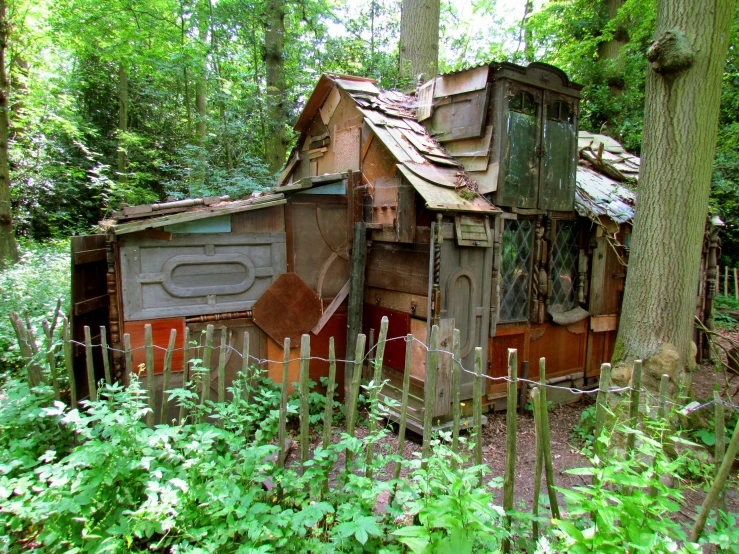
pixel 564 266
pixel 515 269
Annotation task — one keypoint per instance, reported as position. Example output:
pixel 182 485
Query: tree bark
pixel 274 59
pixel 683 92
pixel 18 74
pixel 419 38
pixel 609 51
pixel 122 121
pixel 8 248
pixel 221 102
pixel 200 88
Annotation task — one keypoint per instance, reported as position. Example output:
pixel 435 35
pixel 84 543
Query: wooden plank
pixel 230 208
pixel 425 100
pixel 461 82
pixel 398 269
pixel 356 293
pixel 390 143
pixel 153 234
pixel 269 220
pixel 89 256
pixel 603 323
pixel 91 304
pixel 411 304
pixel 330 105
pixel 472 146
pixel 444 393
pixel 398 326
pixel 288 308
pixel 331 309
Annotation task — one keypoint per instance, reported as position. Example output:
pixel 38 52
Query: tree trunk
pixel 609 51
pixel 200 92
pixel 122 121
pixel 274 47
pixel 185 77
pixel 8 249
pixel 683 93
pixel 18 75
pixel 419 38
pixel 221 102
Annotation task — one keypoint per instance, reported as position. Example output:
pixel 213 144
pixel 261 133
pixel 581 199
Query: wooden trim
pixel 331 309
pixel 503 331
pixel 367 144
pixel 599 324
pixel 89 256
pixel 234 207
pixel 289 239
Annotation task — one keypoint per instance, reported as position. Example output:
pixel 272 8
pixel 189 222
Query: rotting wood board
pixel 411 304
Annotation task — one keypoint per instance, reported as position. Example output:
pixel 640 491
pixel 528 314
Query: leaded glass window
pixel 515 269
pixel 565 255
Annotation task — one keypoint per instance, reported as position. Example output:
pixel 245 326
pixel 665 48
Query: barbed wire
pixel 683 408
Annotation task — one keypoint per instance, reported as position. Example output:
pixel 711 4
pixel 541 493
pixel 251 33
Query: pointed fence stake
pixel 51 355
pixel 719 449
pixel 205 375
pixel 149 346
pixel 601 409
pixel 351 417
pixel 456 386
pixel 404 403
pixel 429 392
pixel 545 442
pixel 92 387
pixel 167 375
pixel 105 354
pixel 222 351
pixel 477 391
pixel 281 429
pixel 328 412
pixel 510 455
pixel 128 356
pixel 68 363
pixel 304 406
pixel 634 400
pixel 245 366
pixel 375 394
pixel 185 371
pixel 536 410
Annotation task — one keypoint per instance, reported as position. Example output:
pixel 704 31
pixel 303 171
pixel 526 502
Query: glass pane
pixel 559 166
pixel 564 266
pixel 515 270
pixel 521 172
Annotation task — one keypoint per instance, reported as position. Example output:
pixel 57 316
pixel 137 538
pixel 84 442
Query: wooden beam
pixel 356 303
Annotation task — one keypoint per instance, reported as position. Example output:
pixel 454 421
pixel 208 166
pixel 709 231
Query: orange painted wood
pixel 160 330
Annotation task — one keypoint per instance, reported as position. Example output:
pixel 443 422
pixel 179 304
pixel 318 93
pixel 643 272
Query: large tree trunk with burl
pixel 275 142
pixel 419 38
pixel 8 248
pixel 683 93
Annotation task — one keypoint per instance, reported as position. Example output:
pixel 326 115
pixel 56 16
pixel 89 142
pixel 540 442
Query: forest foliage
pixel 65 60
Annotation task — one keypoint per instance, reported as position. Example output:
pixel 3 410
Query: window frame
pixel 532 246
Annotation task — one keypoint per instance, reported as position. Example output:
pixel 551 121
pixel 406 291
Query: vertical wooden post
pixel 510 456
pixel 377 385
pixel 166 375
pixel 185 370
pixel 634 400
pixel 105 354
pixel 68 363
pixel 149 347
pixel 736 285
pixel 89 365
pixel 726 281
pixel 536 411
pixel 601 403
pixel 51 355
pixel 328 411
pixel 404 402
pixel 222 365
pixel 477 391
pixel 719 449
pixel 546 446
pixel 429 391
pixel 28 350
pixel 718 279
pixel 283 403
pixel 245 366
pixel 304 407
pixel 352 415
pixel 128 356
pixel 370 353
pixel 456 386
pixel 356 303
pixel 205 375
pixel 718 485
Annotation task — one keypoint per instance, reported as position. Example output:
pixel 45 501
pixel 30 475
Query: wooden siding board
pixel 398 269
pixel 160 329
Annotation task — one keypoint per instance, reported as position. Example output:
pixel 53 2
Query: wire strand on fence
pixel 685 408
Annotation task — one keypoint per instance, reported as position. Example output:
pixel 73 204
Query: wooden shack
pixel 480 208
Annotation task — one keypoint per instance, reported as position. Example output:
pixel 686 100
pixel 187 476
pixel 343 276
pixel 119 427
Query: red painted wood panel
pixel 160 330
pixel 399 325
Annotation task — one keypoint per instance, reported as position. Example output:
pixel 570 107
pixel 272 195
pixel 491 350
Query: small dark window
pixel 522 102
pixel 559 111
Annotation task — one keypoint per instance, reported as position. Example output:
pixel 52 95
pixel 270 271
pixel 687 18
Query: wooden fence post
pixel 664 384
pixel 149 345
pixel 634 400
pixel 245 366
pixel 477 392
pixel 167 372
pixel 128 356
pixel 523 393
pixel 736 285
pixel 205 375
pixel 510 455
pixel 281 431
pixel 68 363
pixel 92 386
pixel 377 385
pixel 546 446
pixel 456 385
pixel 222 351
pixel 185 370
pixel 51 354
pixel 601 403
pixel 28 349
pixel 352 415
pixel 429 392
pixel 726 281
pixel 304 406
pixel 536 411
pixel 105 354
pixel 356 303
pixel 404 402
pixel 718 485
pixel 720 447
pixel 328 411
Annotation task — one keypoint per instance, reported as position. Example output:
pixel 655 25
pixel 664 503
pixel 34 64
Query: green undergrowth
pixel 97 479
pixel 32 286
